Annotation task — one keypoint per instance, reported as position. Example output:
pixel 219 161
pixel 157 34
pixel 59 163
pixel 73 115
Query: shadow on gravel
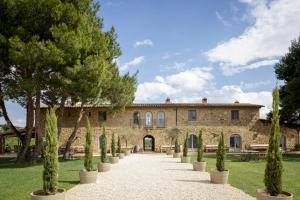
pixel 169 162
pixel 195 181
pixel 179 169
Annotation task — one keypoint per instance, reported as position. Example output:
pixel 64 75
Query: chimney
pixel 168 100
pixel 204 100
pixel 236 101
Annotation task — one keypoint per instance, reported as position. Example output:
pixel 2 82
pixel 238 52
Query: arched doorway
pixel 192 141
pixel 149 143
pixel 235 142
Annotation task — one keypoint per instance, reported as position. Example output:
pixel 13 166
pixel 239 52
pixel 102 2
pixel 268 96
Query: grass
pixel 249 176
pixel 17 181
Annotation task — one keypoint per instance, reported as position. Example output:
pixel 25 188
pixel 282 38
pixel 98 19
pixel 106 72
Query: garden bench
pixel 259 147
pixel 213 147
pixel 164 148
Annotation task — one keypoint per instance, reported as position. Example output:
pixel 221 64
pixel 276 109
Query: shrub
pixel 104 147
pixel 177 147
pixel 221 154
pixel 172 134
pixel 185 146
pixel 88 155
pixel 200 147
pixel 113 146
pixel 50 173
pixel 273 171
pixel 119 150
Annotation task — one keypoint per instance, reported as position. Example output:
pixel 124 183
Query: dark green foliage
pixel 172 134
pixel 200 147
pixel 185 146
pixel 113 146
pixel 50 173
pixel 119 150
pixel 88 156
pixel 273 171
pixel 177 147
pixel 221 154
pixel 104 148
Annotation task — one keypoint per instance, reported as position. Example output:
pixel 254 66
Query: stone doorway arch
pixel 149 143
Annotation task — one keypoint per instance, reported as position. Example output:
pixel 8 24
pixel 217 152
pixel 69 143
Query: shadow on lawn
pixel 70 182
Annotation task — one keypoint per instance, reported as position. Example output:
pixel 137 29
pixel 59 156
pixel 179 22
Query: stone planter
pixel 176 155
pixel 219 177
pixel 127 152
pixel 38 195
pixel 185 159
pixel 261 194
pixel 88 176
pixel 199 166
pixel 103 167
pixel 113 160
pixel 170 152
pixel 121 155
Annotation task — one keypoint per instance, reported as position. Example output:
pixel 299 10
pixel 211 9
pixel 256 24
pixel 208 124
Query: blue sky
pixel 187 50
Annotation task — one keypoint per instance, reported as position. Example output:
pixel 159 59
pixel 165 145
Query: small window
pixel 161 119
pixel 148 119
pixel 136 119
pixel 235 115
pixel 102 116
pixel 192 116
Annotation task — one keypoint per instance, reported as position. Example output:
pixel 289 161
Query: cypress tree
pixel 50 173
pixel 88 157
pixel 119 145
pixel 221 154
pixel 200 147
pixel 113 146
pixel 185 146
pixel 177 147
pixel 104 147
pixel 273 171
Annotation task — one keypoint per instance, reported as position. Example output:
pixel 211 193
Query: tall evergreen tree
pixel 88 154
pixel 220 164
pixel 273 171
pixel 119 150
pixel 177 147
pixel 185 145
pixel 104 147
pixel 200 147
pixel 113 146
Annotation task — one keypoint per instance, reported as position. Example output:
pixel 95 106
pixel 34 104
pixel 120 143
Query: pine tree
pixel 50 173
pixel 177 147
pixel 273 171
pixel 221 154
pixel 119 145
pixel 185 146
pixel 113 146
pixel 200 147
pixel 88 158
pixel 104 147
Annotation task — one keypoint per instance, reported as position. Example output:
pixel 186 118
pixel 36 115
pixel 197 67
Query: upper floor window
pixel 136 119
pixel 161 119
pixel 148 119
pixel 235 115
pixel 102 116
pixel 192 115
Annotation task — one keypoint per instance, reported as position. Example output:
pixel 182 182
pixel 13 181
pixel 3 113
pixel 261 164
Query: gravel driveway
pixel 154 176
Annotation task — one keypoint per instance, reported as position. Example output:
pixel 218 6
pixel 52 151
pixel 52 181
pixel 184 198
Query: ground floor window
pixel 192 141
pixel 235 141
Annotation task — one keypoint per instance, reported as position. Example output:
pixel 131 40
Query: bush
pixel 185 146
pixel 273 171
pixel 177 147
pixel 104 148
pixel 50 173
pixel 221 154
pixel 113 146
pixel 88 155
pixel 200 147
pixel 119 150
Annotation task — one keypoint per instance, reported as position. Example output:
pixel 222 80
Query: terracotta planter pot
pixel 88 177
pixel 121 155
pixel 103 167
pixel 261 194
pixel 176 155
pixel 170 152
pixel 113 160
pixel 219 177
pixel 38 195
pixel 185 159
pixel 199 166
pixel 127 152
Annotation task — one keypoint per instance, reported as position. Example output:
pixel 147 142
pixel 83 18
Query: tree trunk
pixel 73 134
pixel 60 114
pixel 38 129
pixel 7 119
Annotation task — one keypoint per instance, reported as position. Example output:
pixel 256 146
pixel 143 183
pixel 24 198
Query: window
pixel 192 115
pixel 102 116
pixel 235 115
pixel 148 119
pixel 192 141
pixel 235 141
pixel 161 119
pixel 136 119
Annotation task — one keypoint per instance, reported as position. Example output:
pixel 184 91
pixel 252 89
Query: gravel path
pixel 153 177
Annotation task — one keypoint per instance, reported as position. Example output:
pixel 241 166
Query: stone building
pixel 149 121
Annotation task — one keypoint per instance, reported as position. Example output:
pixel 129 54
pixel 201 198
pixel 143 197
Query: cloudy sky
pixel 187 50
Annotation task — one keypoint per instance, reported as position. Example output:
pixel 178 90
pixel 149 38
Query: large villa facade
pixel 240 123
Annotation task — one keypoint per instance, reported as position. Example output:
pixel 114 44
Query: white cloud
pixel 170 55
pixel 134 62
pixel 276 24
pixel 146 42
pixel 221 19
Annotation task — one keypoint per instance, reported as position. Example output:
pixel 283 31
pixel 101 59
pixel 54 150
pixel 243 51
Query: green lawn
pixel 248 176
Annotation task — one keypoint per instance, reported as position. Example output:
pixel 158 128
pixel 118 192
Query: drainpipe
pixel 176 115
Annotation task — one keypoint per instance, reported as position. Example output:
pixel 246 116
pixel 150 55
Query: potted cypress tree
pixel 273 171
pixel 220 175
pixel 50 174
pixel 176 154
pixel 88 174
pixel 200 164
pixel 119 150
pixel 185 158
pixel 104 165
pixel 114 158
